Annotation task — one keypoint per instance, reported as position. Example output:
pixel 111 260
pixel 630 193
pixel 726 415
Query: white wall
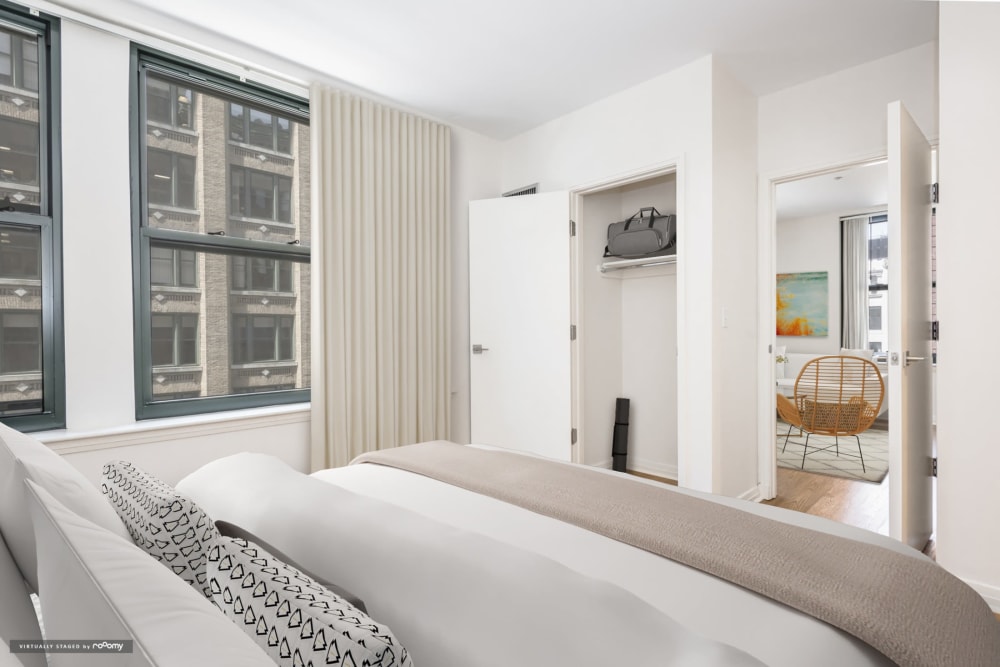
pixel 968 496
pixel 842 117
pixel 699 114
pixel 812 244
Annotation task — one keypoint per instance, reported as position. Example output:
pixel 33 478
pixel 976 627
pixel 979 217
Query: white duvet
pixel 465 580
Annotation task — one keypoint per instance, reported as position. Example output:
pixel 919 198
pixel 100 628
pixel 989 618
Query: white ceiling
pixel 841 193
pixel 501 68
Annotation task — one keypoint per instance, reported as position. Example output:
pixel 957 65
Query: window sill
pixel 174 428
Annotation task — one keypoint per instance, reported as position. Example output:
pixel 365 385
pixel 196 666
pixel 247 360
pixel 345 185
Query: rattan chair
pixel 834 395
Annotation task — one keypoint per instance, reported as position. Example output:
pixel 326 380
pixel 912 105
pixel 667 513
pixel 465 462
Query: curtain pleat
pixel 381 278
pixel 854 281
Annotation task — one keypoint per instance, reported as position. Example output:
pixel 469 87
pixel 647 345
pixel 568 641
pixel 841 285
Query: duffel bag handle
pixel 652 214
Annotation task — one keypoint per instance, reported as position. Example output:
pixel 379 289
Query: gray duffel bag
pixel 647 233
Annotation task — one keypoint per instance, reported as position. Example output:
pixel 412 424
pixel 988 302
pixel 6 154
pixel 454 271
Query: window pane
pixel 284 199
pixel 20 253
pixel 220 339
pixel 261 129
pixel 261 195
pixel 284 135
pixel 188 268
pixel 20 321
pixel 158 101
pixel 162 340
pixel 237 131
pixel 161 265
pixel 185 181
pixel 29 55
pixel 216 164
pixel 6 59
pixel 159 168
pixel 19 165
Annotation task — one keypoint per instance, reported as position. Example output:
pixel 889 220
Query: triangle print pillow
pixel 168 526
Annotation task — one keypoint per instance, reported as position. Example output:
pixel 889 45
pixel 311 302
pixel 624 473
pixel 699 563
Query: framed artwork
pixel 803 301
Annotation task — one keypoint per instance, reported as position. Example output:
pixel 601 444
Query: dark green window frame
pixel 43 218
pixel 181 73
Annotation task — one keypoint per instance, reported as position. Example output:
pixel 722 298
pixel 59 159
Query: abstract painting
pixel 803 304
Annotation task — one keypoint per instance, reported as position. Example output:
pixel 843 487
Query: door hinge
pixel 572 436
pixel 933 466
pixel 572 228
pixel 572 332
pixel 934 193
pixel 935 330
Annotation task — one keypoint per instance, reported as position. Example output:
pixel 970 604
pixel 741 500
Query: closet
pixel 626 314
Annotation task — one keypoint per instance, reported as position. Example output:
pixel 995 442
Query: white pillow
pixel 168 526
pixel 97 585
pixel 848 352
pixel 17 614
pixel 22 457
pixel 296 620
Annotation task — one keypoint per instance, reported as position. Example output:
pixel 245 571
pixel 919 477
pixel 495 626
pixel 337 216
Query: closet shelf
pixel 617 264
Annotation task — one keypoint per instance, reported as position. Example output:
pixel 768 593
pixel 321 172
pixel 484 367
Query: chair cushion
pixel 293 618
pixel 22 457
pixel 97 585
pixel 168 525
pixel 17 613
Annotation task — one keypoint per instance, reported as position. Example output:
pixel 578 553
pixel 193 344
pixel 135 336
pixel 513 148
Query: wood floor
pixel 855 503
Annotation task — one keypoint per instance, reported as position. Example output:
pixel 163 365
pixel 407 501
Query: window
pixel 19 60
pixel 175 340
pixel 172 267
pixel 169 103
pixel 262 338
pixel 222 292
pixel 878 276
pixel 261 275
pixel 170 178
pixel 875 318
pixel 31 348
pixel 260 128
pixel 258 194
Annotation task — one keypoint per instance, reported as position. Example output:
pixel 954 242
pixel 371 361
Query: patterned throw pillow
pixel 167 525
pixel 293 618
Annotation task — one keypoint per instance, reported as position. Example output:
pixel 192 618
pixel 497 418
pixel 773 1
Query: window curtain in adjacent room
pixel 381 278
pixel 854 280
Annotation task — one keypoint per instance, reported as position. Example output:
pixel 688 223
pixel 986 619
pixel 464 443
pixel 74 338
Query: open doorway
pixel 831 263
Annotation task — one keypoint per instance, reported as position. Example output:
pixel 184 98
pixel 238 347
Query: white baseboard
pixel 654 468
pixel 606 463
pixel 988 592
pixel 753 495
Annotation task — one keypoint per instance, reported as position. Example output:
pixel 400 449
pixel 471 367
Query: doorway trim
pixel 673 165
pixel 767 231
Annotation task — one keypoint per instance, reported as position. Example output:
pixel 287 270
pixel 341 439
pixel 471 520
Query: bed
pixel 466 579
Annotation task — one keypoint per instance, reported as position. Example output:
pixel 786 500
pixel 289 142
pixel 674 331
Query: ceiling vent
pixel 525 190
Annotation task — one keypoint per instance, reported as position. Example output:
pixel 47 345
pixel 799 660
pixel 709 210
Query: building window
pixel 174 340
pixel 259 338
pixel 259 194
pixel 878 280
pixel 875 318
pixel 236 335
pixel 170 178
pixel 260 274
pixel 259 128
pixel 169 103
pixel 19 60
pixel 31 343
pixel 172 267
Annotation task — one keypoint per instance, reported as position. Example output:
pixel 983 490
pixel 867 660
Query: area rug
pixel 823 459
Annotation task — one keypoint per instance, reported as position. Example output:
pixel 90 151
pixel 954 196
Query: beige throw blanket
pixel 910 609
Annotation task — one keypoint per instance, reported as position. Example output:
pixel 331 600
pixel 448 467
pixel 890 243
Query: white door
pixel 910 437
pixel 519 323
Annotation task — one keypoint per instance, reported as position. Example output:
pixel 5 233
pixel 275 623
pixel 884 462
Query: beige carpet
pixel 822 455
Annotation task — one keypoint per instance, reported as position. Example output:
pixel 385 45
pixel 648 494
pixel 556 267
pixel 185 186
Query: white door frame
pixel 767 461
pixel 673 165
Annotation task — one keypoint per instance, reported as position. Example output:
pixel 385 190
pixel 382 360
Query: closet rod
pixel 613 265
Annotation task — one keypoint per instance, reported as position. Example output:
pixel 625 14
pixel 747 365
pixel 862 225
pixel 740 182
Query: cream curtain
pixel 854 279
pixel 381 278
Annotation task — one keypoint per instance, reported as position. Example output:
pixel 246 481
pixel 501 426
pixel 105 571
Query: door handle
pixel 479 349
pixel 910 360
